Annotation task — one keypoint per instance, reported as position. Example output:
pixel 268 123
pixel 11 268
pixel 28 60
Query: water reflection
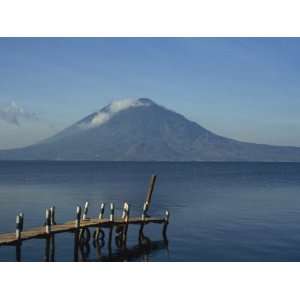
pixel 142 250
pixel 101 247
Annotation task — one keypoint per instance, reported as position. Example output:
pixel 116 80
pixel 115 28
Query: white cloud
pixel 115 107
pixel 14 114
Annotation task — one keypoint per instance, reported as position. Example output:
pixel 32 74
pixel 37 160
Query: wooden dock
pixel 80 226
pixel 40 232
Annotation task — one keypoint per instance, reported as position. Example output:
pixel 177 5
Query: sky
pixel 243 88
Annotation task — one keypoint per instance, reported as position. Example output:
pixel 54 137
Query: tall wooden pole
pixel 150 192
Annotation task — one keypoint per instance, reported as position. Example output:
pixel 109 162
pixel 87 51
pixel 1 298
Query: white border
pixel 147 281
pixel 149 18
pixel 154 280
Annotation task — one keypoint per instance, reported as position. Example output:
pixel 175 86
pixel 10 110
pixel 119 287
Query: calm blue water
pixel 219 211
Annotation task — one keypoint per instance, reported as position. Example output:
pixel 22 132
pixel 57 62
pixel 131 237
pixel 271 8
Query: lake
pixel 218 211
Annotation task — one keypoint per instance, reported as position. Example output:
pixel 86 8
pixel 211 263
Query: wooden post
pixel 141 231
pixel 111 219
pixel 126 220
pixel 21 221
pixel 52 247
pixel 47 249
pixel 18 251
pixel 48 221
pixel 150 192
pixel 112 212
pixel 19 228
pixel 120 228
pixel 98 249
pixel 19 225
pixel 102 206
pixel 78 216
pixel 167 216
pixel 86 208
pixel 98 230
pixel 52 215
pixel 76 234
pixel 76 246
pixel 124 210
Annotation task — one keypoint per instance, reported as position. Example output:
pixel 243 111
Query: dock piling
pixel 111 219
pixel 85 211
pixel 112 212
pixel 76 233
pixel 98 233
pixel 47 249
pixel 102 206
pixel 47 221
pixel 125 228
pixel 167 216
pixel 19 229
pixel 150 192
pixel 52 247
pixel 78 216
pixel 52 215
pixel 19 225
pixel 141 231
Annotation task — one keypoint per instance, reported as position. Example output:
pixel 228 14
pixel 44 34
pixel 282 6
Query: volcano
pixel 141 130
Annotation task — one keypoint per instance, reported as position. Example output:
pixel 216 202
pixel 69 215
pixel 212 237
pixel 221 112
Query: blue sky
pixel 243 88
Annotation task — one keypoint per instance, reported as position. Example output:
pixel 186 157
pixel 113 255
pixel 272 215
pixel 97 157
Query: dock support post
pixel 120 228
pixel 85 234
pixel 48 222
pixel 111 219
pixel 47 249
pixel 98 231
pixel 101 214
pixel 150 192
pixel 52 215
pixel 76 234
pixel 85 211
pixel 167 216
pixel 98 250
pixel 141 231
pixel 112 212
pixel 19 228
pixel 99 234
pixel 125 229
pixel 78 217
pixel 52 247
pixel 48 231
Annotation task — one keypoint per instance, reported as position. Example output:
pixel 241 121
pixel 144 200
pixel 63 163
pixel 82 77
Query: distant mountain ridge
pixel 141 130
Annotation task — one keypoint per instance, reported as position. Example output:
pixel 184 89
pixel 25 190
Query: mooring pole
pixel 101 214
pixel 98 249
pixel 112 212
pixel 150 192
pixel 48 222
pixel 111 219
pixel 78 217
pixel 47 249
pixel 98 230
pixel 167 216
pixel 125 229
pixel 19 225
pixel 85 211
pixel 141 231
pixel 52 247
pixel 52 215
pixel 19 229
pixel 76 232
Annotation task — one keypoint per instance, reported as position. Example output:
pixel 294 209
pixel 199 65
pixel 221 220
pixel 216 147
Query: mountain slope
pixel 140 130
